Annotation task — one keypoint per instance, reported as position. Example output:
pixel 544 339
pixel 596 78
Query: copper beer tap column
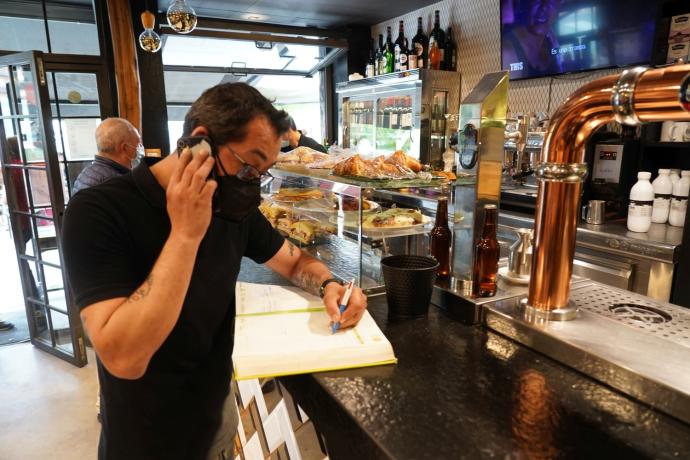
pixel 635 96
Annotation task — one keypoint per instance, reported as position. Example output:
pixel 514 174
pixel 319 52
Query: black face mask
pixel 234 199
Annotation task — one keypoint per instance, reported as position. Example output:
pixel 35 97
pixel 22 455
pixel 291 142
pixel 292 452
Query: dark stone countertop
pixel 465 392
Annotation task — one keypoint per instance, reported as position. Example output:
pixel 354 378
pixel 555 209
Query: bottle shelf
pixel 668 145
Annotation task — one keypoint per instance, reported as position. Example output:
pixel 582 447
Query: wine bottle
pixel 450 53
pixel 400 50
pixel 379 56
pixel 371 62
pixel 420 44
pixel 438 37
pixel 434 55
pixel 389 52
pixel 411 58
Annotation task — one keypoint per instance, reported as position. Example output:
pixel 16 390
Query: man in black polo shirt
pixel 294 138
pixel 153 269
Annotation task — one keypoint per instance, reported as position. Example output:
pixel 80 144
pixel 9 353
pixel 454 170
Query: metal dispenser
pixel 480 151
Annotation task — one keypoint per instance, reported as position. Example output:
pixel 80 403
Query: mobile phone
pixel 196 144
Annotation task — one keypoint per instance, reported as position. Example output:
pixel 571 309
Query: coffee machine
pixel 524 138
pixel 612 160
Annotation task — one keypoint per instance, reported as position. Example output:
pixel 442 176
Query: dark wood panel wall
pixel 125 59
pixel 154 117
pixel 355 60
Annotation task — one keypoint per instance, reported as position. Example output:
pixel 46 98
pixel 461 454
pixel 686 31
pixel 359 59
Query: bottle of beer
pixel 441 237
pixel 379 57
pixel 449 54
pixel 370 70
pixel 486 254
pixel 437 39
pixel 388 52
pixel 420 45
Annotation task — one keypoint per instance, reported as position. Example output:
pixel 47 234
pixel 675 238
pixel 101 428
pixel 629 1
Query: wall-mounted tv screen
pixel 550 37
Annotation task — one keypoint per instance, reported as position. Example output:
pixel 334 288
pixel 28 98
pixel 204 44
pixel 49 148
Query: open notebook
pixel 284 330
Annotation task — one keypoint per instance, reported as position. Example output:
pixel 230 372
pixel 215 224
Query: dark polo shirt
pixel 112 235
pixel 305 141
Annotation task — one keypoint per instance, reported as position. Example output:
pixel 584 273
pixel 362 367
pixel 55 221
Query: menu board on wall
pixel 80 142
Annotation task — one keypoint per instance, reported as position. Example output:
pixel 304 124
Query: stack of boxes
pixel 679 39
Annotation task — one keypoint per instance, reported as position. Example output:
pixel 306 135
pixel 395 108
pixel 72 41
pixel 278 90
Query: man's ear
pixel 200 131
pixel 123 147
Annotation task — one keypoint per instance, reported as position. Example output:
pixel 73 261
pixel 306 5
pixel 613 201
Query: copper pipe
pixel 635 96
pixel 657 94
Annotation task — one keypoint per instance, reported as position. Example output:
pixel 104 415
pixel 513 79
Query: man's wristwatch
pixel 326 283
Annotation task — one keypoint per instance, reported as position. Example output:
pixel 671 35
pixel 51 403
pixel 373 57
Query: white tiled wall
pixel 477 34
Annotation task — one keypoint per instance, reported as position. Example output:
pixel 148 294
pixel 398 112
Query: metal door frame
pixel 40 64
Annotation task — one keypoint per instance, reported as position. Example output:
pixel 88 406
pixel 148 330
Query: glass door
pixel 36 199
pixel 78 104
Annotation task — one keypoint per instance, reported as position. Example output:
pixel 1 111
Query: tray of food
pixel 291 224
pixel 301 156
pixel 291 195
pixel 396 170
pixel 334 204
pixel 396 166
pixel 391 222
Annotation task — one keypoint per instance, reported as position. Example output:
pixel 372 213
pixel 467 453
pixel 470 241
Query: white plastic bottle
pixel 663 189
pixel 641 202
pixel 679 200
pixel 675 176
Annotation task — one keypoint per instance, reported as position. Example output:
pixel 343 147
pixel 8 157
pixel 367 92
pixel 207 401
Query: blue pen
pixel 343 304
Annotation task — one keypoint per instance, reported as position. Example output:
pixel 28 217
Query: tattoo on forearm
pixel 142 291
pixel 292 248
pixel 308 281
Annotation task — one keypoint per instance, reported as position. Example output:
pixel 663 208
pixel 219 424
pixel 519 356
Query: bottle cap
pixel 644 175
pixel 664 171
pixel 685 173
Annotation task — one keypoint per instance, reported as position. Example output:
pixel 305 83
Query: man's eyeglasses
pixel 247 172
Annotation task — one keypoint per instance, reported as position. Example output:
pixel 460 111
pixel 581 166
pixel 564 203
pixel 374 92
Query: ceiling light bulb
pixel 181 17
pixel 149 40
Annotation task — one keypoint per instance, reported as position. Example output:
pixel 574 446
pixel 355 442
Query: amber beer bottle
pixel 486 254
pixel 440 238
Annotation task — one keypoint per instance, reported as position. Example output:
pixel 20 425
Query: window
pixel 71 27
pixel 279 71
pixel 214 52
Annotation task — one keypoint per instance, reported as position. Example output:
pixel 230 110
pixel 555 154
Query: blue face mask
pixel 141 153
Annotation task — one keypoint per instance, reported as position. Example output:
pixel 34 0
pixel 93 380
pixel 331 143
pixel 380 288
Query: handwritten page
pixel 280 331
pixel 261 299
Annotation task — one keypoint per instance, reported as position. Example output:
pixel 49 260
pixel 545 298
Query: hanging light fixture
pixel 149 40
pixel 181 17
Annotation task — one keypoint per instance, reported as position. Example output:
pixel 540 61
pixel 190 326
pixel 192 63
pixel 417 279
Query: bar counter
pixel 463 391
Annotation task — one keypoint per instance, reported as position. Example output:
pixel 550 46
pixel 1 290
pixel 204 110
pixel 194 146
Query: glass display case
pixel 399 111
pixel 349 224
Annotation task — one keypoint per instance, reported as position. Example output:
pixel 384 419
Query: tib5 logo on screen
pixel 515 66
